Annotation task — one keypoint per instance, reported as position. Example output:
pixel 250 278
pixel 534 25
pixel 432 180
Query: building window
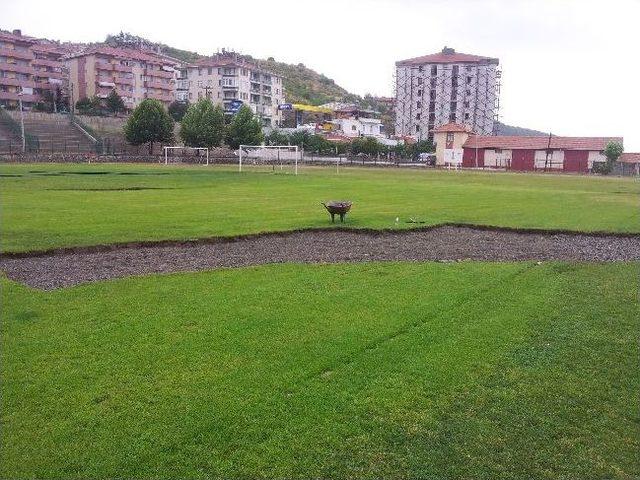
pixel 466 104
pixel 417 116
pixel 209 71
pixel 420 68
pixel 418 104
pixel 434 70
pixel 449 136
pixel 353 127
pixel 420 80
pixel 417 128
pixel 468 80
pixel 466 116
pixel 419 93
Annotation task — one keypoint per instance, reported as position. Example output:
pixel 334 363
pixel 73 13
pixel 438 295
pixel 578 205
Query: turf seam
pixel 409 327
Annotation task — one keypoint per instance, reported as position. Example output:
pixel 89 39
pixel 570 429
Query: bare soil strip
pixel 73 266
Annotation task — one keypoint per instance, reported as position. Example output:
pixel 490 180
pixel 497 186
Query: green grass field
pixel 62 205
pixel 405 370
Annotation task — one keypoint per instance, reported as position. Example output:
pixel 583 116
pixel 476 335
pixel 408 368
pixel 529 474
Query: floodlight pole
pixel 24 142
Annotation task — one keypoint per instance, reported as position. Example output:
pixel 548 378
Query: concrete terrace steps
pixel 58 136
pixel 55 132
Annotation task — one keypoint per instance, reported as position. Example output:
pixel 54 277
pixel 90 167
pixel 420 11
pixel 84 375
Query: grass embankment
pixel 47 206
pixel 465 370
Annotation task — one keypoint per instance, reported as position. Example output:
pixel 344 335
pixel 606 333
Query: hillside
pixel 302 84
pixel 510 130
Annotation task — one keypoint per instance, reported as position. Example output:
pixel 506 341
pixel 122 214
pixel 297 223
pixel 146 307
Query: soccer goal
pixel 181 154
pixel 274 157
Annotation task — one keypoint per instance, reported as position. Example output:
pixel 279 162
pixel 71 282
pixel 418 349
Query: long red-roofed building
pixel 457 144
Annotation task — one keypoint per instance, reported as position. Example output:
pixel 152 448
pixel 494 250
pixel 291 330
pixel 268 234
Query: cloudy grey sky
pixel 569 66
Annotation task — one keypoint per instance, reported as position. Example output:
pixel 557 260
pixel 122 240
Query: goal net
pixel 197 155
pixel 276 158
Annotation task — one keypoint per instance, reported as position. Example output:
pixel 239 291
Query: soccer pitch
pixel 47 206
pixel 398 369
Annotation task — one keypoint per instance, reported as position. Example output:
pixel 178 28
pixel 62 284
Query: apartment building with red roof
pixel 446 87
pixel 228 79
pixel 30 67
pixel 134 74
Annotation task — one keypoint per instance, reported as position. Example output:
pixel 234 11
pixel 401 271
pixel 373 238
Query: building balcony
pixel 12 53
pixel 158 85
pixel 55 75
pixel 123 81
pixel 12 67
pixel 43 62
pixel 16 82
pixel 163 97
pixel 16 97
pixel 113 67
pixel 159 73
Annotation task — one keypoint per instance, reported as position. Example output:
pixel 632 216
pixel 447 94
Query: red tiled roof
pixel 539 143
pixel 336 137
pixel 452 127
pixel 447 55
pixel 220 61
pixel 10 37
pixel 630 157
pixel 125 53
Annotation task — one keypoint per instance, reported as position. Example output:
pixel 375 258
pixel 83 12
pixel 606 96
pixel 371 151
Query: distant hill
pixel 510 131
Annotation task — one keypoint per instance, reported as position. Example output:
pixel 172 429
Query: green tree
pixel 276 137
pixel 149 123
pixel 244 129
pixel 89 106
pixel 114 102
pixel 612 152
pixel 203 125
pixel 366 145
pixel 319 144
pixel 178 109
pixel 301 139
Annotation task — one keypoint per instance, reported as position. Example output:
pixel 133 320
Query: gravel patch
pixel 69 267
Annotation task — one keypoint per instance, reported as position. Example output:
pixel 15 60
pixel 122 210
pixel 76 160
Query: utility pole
pixel 24 143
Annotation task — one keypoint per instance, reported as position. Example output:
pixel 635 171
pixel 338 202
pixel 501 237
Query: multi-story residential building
pixel 134 74
pixel 29 66
pixel 229 80
pixel 446 87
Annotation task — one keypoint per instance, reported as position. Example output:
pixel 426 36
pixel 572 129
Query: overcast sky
pixel 569 67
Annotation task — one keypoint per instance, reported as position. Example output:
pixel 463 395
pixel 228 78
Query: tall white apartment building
pixel 446 87
pixel 229 80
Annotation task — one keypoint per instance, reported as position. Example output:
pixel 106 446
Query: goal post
pixel 273 155
pixel 198 149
